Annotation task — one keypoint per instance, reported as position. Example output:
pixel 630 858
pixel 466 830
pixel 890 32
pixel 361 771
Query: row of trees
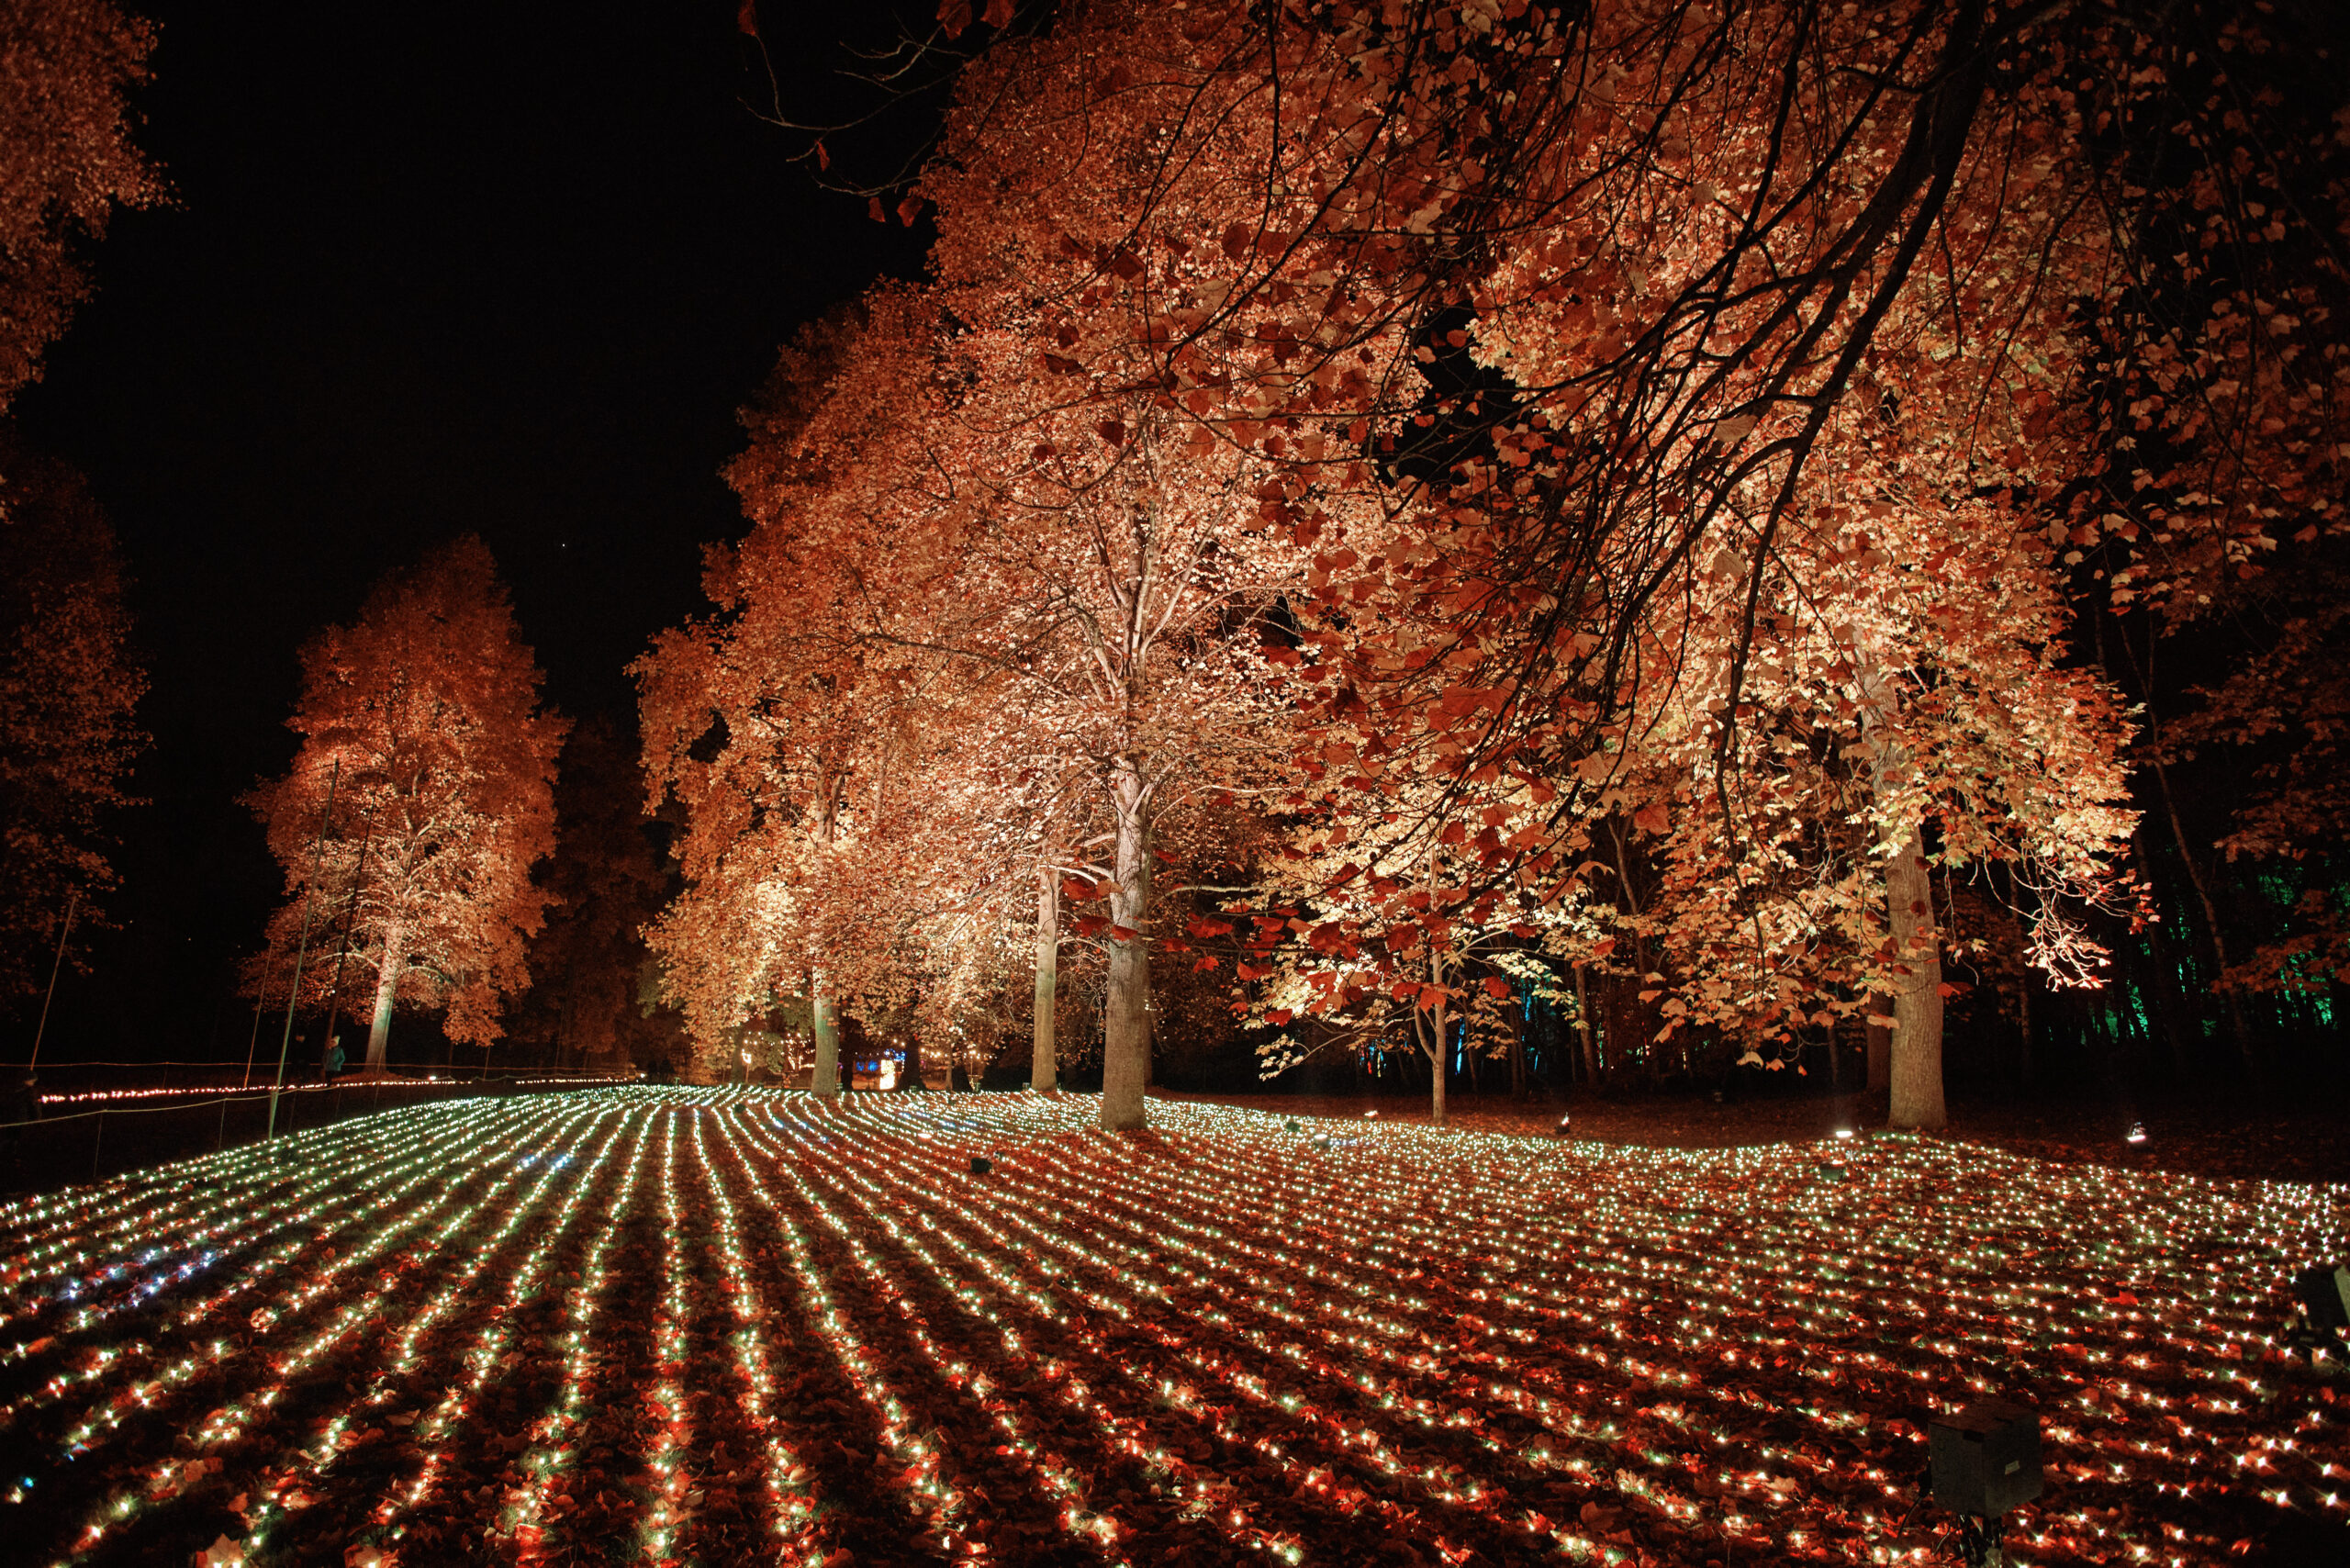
pixel 1398 501
pixel 1739 521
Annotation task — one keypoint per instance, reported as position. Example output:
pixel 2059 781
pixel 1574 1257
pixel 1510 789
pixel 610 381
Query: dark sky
pixel 498 269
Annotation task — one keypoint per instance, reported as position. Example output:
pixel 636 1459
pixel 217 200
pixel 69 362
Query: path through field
pixel 693 1325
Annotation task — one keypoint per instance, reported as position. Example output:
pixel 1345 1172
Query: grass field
pixel 645 1325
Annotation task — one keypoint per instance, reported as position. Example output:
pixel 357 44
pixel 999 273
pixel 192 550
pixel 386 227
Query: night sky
pixel 425 273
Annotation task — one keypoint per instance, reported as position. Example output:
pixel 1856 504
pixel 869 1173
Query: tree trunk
pixel 1589 1036
pixel 1044 1071
pixel 387 985
pixel 1916 1065
pixel 2024 1065
pixel 2228 1001
pixel 1436 1045
pixel 824 1024
pixel 1880 1038
pixel 1126 1012
pixel 1914 1054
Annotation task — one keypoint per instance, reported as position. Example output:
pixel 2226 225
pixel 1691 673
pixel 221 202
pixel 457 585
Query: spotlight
pixel 1984 1460
pixel 2325 1296
pixel 1322 1140
pixel 1561 1130
pixel 2137 1133
pixel 1371 1114
pixel 1843 1132
pixel 981 1165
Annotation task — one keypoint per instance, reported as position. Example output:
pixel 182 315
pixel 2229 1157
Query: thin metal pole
pixel 252 1046
pixel 294 992
pixel 72 901
pixel 350 915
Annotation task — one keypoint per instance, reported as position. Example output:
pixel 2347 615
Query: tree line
pixel 1744 527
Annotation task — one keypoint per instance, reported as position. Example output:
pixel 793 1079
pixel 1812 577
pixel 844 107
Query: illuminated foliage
pixel 66 161
pixel 443 801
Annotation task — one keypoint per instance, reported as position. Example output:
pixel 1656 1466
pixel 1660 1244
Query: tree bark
pixel 387 985
pixel 1126 1012
pixel 1044 1070
pixel 1917 1046
pixel 824 1024
pixel 1584 1029
pixel 1434 1021
pixel 1430 1025
pixel 2228 1000
pixel 1880 1038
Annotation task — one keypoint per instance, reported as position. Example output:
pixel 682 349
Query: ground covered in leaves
pixel 642 1325
pixel 2215 1134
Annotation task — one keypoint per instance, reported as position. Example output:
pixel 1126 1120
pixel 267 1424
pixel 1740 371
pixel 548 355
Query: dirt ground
pixel 2201 1138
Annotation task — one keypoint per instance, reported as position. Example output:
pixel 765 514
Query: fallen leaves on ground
pixel 710 1326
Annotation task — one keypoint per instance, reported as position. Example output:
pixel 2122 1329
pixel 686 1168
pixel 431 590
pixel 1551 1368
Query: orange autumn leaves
pixel 1619 460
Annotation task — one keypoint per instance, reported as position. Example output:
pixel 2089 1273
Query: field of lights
pixel 712 1327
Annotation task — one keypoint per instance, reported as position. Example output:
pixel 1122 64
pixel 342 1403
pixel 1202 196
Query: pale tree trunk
pixel 823 1011
pixel 1430 1024
pixel 1880 1042
pixel 824 1024
pixel 387 985
pixel 1044 1072
pixel 1914 1064
pixel 1125 1013
pixel 1435 1019
pixel 1917 1076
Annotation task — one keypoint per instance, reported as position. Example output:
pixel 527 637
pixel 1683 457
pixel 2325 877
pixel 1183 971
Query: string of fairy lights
pixel 1228 1336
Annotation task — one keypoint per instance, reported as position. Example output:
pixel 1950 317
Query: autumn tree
pixel 786 739
pixel 606 881
pixel 1601 294
pixel 66 161
pixel 423 714
pixel 69 686
pixel 2206 540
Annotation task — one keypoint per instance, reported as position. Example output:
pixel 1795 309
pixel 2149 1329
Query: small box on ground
pixel 1985 1459
pixel 981 1165
pixel 2326 1294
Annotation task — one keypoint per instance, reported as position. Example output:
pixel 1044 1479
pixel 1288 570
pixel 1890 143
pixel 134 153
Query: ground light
pixel 2325 1296
pixel 1984 1461
pixel 702 1314
pixel 2137 1133
pixel 1565 1119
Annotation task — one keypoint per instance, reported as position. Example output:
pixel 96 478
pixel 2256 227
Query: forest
pixel 1522 544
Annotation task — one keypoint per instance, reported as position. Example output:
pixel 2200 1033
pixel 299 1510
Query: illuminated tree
pixel 429 705
pixel 66 161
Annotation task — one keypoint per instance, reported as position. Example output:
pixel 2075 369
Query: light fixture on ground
pixel 1565 1117
pixel 2325 1296
pixel 2137 1133
pixel 1985 1459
